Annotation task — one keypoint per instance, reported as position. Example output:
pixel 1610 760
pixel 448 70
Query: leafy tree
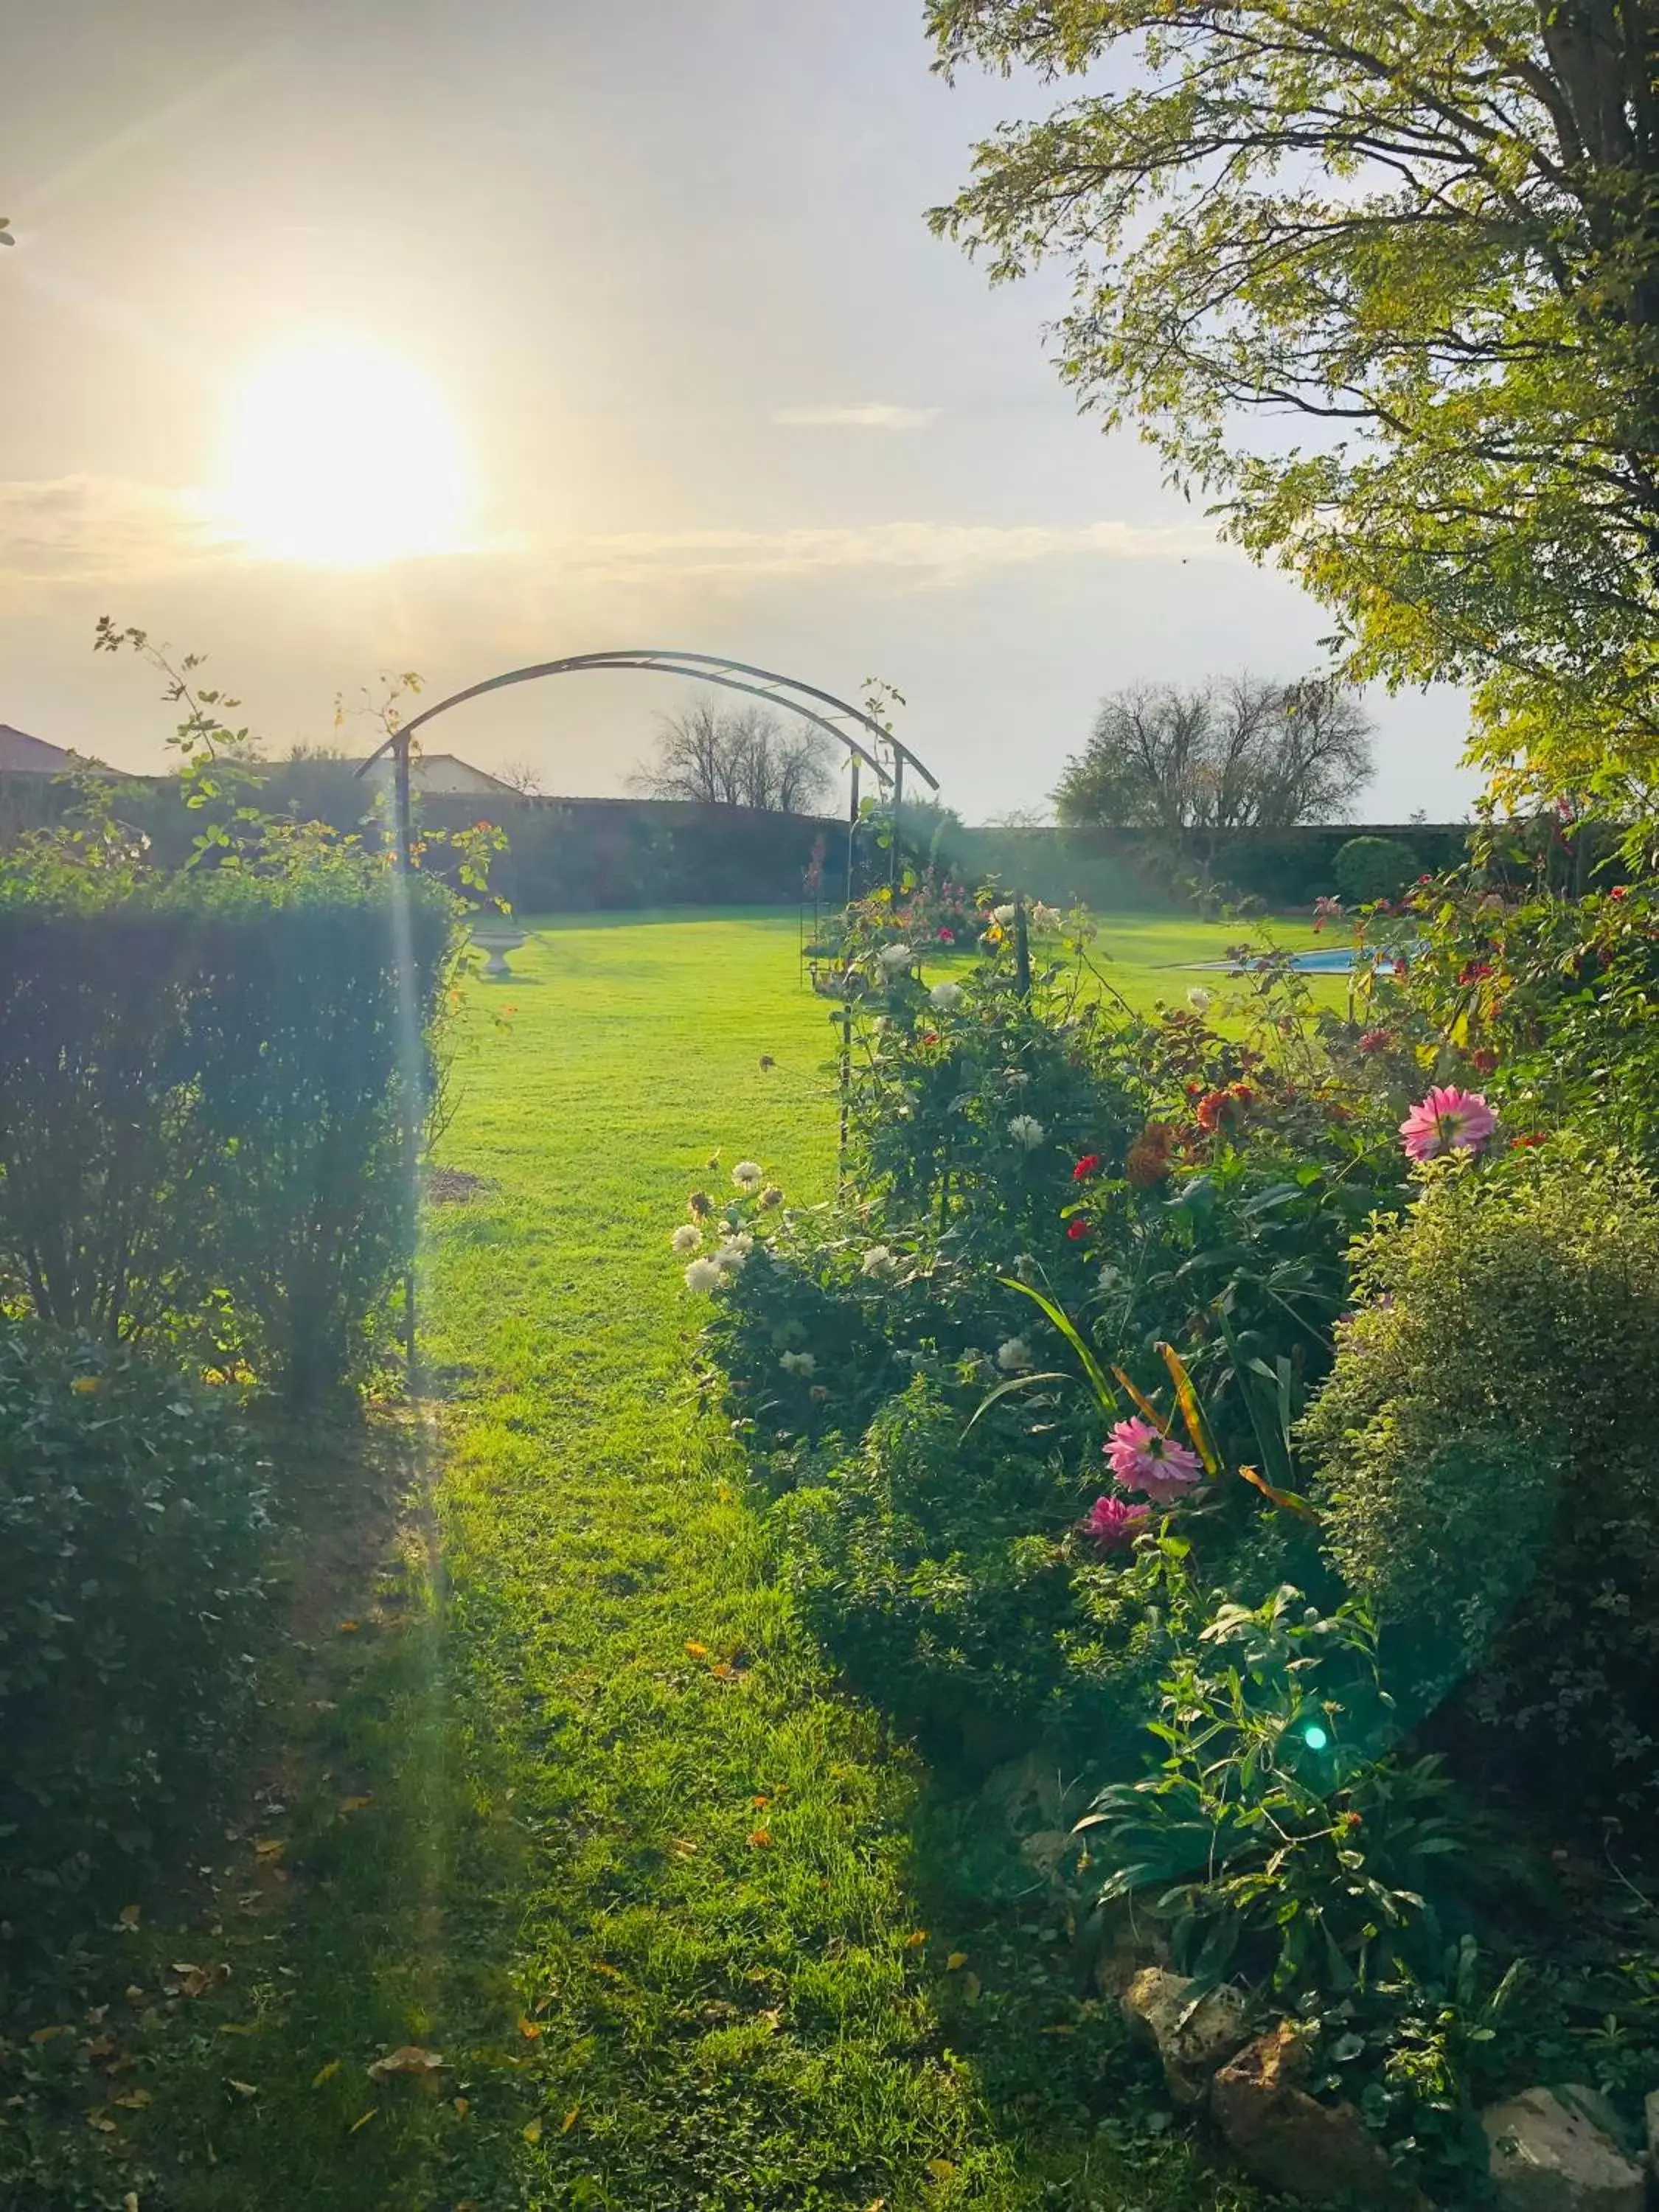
pixel 1423 230
pixel 1369 868
pixel 745 757
pixel 1244 755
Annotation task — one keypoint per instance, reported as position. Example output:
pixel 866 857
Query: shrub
pixel 1484 1453
pixel 1371 868
pixel 133 1534
pixel 203 1089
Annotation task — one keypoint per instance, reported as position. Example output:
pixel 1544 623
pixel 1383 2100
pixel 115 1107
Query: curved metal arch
pixel 784 691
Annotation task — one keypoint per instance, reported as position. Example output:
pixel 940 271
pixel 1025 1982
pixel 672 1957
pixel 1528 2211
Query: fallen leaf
pixel 697 1651
pixel 407 2058
pixel 355 1804
pixel 325 2073
pixel 270 1847
pixel 130 1916
pixel 364 2121
pixel 243 2089
pixel 916 1939
pixel 683 1847
pixel 569 2120
pixel 604 1967
pixel 135 1995
pixel 130 2201
pixel 761 1839
pixel 84 1385
pixel 463 2105
pixel 760 1804
pixel 532 2131
pixel 349 1628
pixel 135 2099
pixel 529 2029
pixel 957 1959
pixel 49 2034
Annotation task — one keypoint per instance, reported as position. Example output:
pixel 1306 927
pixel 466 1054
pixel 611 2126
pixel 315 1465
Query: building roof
pixel 22 755
pixel 447 775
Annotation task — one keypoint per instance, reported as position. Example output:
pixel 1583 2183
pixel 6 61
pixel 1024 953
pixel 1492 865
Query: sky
pixel 347 336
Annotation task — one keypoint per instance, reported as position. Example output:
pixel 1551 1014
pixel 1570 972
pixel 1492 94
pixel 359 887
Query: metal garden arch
pixel 886 756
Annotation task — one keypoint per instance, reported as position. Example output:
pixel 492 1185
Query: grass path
pixel 574 1803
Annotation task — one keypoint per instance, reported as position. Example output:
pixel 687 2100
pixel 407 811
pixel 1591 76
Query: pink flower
pixel 1142 1459
pixel 1115 1525
pixel 1447 1121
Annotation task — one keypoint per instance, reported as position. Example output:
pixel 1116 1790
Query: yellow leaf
pixel 408 2058
pixel 463 2105
pixel 84 1385
pixel 363 2121
pixel 1145 1404
pixel 49 2034
pixel 130 1916
pixel 529 2029
pixel 1192 1413
pixel 355 1804
pixel 760 1804
pixel 569 2120
pixel 697 1651
pixel 957 1959
pixel 940 2168
pixel 135 2099
pixel 1285 1499
pixel 532 2134
pixel 325 2073
pixel 916 1939
pixel 348 1628
pixel 102 2122
pixel 604 1967
pixel 761 1839
pixel 268 1847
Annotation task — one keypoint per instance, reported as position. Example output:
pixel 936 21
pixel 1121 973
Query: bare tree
pixel 745 757
pixel 524 777
pixel 1247 754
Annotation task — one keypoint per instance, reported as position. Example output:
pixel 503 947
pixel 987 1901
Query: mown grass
pixel 572 1802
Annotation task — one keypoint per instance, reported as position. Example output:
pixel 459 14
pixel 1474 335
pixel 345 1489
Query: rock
pixel 1191 2039
pixel 1321 2154
pixel 1546 2157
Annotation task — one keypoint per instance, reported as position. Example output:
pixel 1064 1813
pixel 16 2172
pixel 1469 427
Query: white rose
pixel 685 1239
pixel 1014 1356
pixel 947 997
pixel 1026 1130
pixel 703 1275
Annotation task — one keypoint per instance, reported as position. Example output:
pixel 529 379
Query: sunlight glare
pixel 342 453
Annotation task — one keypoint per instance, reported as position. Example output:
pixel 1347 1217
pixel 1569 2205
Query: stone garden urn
pixel 495 939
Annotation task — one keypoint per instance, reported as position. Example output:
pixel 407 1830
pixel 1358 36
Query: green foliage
pixel 204 1094
pixel 1485 1469
pixel 1372 868
pixel 1450 283
pixel 133 1539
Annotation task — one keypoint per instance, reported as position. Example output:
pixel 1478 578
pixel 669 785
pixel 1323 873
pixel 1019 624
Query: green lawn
pixel 577 1805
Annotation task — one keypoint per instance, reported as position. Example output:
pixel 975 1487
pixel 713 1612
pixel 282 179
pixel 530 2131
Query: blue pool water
pixel 1337 960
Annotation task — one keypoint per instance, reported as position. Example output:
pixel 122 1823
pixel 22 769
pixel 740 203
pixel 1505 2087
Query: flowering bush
pixel 1486 1467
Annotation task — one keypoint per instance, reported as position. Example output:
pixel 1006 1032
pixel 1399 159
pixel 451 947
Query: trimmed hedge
pixel 203 1102
pixel 133 1540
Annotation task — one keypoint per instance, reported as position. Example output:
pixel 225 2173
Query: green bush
pixel 133 1539
pixel 1371 868
pixel 1483 1447
pixel 203 1087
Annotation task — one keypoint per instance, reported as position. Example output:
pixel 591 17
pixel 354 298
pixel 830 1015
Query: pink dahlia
pixel 1447 1121
pixel 1142 1459
pixel 1115 1525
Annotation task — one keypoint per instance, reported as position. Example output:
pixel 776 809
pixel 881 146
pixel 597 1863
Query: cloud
pixel 80 529
pixel 872 414
pixel 940 553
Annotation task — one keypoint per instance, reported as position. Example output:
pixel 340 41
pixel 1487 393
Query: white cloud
pixel 935 552
pixel 870 415
pixel 77 529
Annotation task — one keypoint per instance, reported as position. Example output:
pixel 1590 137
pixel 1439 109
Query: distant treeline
pixel 576 854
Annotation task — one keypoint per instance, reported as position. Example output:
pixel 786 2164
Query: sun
pixel 343 454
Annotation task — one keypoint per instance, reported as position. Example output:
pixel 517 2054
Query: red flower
pixel 1077 1229
pixel 930 1036
pixel 1211 1109
pixel 1486 1060
pixel 1376 1041
pixel 947 937
pixel 1533 1137
pixel 1475 973
pixel 1085 1167
pixel 1619 892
